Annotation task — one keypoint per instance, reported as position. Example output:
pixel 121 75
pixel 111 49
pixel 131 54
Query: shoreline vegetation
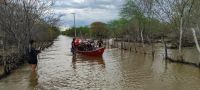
pixel 22 21
pixel 13 60
pixel 173 23
pixel 137 48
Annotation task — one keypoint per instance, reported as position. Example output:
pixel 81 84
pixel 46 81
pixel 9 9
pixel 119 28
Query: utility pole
pixel 74 14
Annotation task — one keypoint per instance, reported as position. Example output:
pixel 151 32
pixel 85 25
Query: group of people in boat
pixel 87 45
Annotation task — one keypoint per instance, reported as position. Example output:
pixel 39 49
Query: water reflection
pixel 77 59
pixel 33 79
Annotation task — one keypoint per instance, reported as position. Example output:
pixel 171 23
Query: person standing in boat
pixel 33 52
pixel 100 42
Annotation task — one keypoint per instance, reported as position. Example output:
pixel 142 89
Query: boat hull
pixel 95 53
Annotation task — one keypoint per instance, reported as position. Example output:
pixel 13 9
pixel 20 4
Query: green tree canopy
pixel 99 29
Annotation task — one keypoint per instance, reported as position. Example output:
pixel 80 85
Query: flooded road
pixel 116 70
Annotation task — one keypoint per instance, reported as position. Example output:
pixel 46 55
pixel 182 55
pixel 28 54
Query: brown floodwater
pixel 116 70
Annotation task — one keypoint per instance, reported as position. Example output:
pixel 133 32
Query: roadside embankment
pixel 11 60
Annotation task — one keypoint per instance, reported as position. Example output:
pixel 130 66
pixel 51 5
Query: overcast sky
pixel 87 11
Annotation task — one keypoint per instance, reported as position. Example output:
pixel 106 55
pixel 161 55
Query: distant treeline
pixel 120 28
pixel 95 30
pixel 81 31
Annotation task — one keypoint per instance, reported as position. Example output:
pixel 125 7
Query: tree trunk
pixel 152 49
pixel 121 44
pixel 180 56
pixel 142 39
pixel 135 46
pixel 165 47
pixel 129 44
pixel 195 39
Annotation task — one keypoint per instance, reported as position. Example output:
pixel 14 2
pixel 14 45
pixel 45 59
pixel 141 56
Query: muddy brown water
pixel 116 70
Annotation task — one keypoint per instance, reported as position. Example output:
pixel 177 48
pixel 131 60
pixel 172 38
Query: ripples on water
pixel 116 70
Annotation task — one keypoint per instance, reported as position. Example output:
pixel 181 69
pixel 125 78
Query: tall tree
pixel 99 29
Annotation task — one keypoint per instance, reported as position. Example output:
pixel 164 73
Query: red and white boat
pixel 98 52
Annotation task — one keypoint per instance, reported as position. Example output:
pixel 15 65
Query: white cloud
pixel 79 1
pixel 87 11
